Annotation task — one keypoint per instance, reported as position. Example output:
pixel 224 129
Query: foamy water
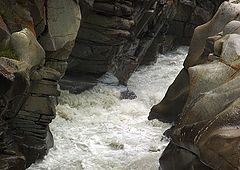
pixel 95 130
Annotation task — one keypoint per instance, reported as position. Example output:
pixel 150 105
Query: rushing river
pixel 95 130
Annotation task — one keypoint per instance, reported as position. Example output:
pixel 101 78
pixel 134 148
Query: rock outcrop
pixel 204 100
pixel 36 40
pixel 190 14
pixel 115 36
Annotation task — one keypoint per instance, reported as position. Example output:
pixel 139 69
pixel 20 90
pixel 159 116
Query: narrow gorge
pixel 83 84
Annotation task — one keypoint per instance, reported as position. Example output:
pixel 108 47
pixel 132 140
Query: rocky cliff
pixel 203 101
pixel 113 40
pixel 117 36
pixel 37 37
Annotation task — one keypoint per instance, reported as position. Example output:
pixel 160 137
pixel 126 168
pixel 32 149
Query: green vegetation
pixel 8 53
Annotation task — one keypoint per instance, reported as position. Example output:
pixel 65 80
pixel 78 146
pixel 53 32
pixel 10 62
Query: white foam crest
pixel 100 95
pixel 95 130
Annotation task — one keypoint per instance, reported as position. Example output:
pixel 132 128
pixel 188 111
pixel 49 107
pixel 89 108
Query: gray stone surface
pixel 206 132
pixel 29 74
pixel 27 48
pixel 115 37
pixel 63 20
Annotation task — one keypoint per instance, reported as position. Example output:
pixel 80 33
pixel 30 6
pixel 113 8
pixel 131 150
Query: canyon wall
pixel 37 37
pixel 203 101
pixel 116 37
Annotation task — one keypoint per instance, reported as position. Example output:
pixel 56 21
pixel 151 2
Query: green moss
pixel 8 53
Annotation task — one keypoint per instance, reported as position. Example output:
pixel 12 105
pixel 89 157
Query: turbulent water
pixel 95 130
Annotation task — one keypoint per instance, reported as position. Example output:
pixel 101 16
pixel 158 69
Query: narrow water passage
pixel 96 131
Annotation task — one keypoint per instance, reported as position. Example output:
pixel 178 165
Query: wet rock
pixel 232 27
pixel 115 37
pixel 16 15
pixel 206 126
pixel 78 83
pixel 109 79
pixel 180 159
pixel 15 82
pixel 12 162
pixel 211 79
pixel 127 94
pixel 172 104
pixel 38 14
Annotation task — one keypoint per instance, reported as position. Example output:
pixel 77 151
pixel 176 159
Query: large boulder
pixel 227 12
pixel 27 48
pixel 63 21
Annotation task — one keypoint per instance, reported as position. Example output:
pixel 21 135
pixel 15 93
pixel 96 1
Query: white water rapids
pixel 95 130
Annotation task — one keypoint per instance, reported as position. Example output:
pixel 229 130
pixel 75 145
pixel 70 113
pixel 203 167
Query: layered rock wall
pixel 35 44
pixel 116 35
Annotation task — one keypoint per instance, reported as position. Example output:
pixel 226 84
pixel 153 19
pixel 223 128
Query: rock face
pixel 63 21
pixel 204 100
pixel 190 14
pixel 34 47
pixel 115 36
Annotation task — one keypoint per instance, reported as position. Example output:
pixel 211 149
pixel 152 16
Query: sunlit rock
pixel 226 13
pixel 63 19
pixel 27 48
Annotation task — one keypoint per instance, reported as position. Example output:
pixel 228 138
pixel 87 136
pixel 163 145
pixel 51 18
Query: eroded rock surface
pixel 34 47
pixel 203 102
pixel 190 14
pixel 115 36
